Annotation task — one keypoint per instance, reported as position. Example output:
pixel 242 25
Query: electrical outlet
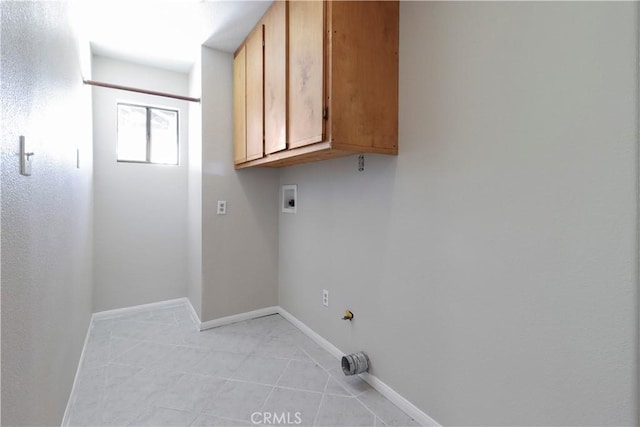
pixel 325 298
pixel 222 207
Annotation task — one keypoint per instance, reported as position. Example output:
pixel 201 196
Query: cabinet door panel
pixel 239 108
pixel 306 72
pixel 275 78
pixel 255 118
pixel 364 60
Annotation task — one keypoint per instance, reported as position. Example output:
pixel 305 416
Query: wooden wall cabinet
pixel 240 106
pixel 248 92
pixel 260 88
pixel 330 82
pixel 275 78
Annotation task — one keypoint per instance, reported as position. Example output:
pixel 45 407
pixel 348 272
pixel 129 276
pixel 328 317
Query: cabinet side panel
pixel 364 70
pixel 306 72
pixel 239 105
pixel 255 76
pixel 275 78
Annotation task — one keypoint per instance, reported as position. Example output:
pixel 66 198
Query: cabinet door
pixel 275 78
pixel 254 76
pixel 364 70
pixel 239 108
pixel 306 72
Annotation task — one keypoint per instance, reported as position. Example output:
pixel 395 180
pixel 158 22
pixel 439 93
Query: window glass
pixel 164 136
pixel 132 133
pixel 147 134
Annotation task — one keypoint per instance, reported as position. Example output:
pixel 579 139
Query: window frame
pixel 148 109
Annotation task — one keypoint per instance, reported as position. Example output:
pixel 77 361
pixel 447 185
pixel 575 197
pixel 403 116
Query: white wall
pixel 46 218
pixel 240 249
pixel 140 219
pixel 491 266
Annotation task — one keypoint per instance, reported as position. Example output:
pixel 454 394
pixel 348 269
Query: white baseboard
pixel 382 388
pixel 335 351
pixel 395 397
pixel 194 315
pixel 112 314
pixel 238 317
pixel 67 410
pixel 119 312
pixel 229 319
pixel 402 403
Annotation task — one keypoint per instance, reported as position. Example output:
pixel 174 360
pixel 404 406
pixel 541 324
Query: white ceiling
pixel 166 33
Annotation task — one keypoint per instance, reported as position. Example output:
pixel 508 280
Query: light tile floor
pixel 156 369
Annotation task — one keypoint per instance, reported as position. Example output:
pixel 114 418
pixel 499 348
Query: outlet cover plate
pixel 289 198
pixel 222 207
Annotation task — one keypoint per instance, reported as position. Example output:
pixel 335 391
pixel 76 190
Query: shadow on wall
pixel 240 248
pixel 260 190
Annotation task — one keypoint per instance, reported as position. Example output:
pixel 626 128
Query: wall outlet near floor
pixel 325 298
pixel 222 207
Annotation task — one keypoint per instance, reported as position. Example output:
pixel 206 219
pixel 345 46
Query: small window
pixel 147 134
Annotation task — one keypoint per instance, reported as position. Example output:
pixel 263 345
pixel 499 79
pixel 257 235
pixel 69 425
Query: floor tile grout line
pixel 289 336
pixel 200 412
pixel 339 395
pixel 355 396
pixel 314 360
pixel 106 379
pixel 274 386
pixel 302 389
pixel 153 405
pixel 153 401
pixel 149 321
pixel 370 410
pixel 328 372
pixel 362 392
pixel 216 416
pixel 299 389
pixel 130 423
pixel 244 359
pixel 326 385
pixel 109 360
pixel 229 418
pixel 166 344
pixel 243 355
pixel 150 311
pixel 216 394
pixel 271 385
pixel 106 376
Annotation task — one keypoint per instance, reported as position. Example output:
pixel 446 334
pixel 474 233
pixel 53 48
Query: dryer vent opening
pixel 355 363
